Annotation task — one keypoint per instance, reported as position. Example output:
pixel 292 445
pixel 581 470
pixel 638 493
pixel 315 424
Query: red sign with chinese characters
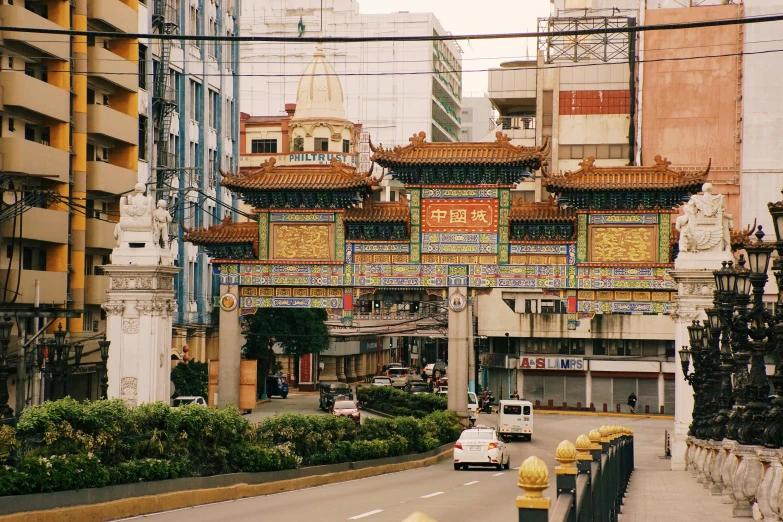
pixel 459 215
pixel 305 365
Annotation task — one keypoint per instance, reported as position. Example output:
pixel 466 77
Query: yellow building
pixel 69 136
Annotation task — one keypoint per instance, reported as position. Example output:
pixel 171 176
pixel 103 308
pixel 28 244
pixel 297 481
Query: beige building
pixel 69 135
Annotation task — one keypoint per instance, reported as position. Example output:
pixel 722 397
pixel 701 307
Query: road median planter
pixel 66 453
pixel 127 500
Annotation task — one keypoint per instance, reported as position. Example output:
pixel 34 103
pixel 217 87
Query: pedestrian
pixel 632 402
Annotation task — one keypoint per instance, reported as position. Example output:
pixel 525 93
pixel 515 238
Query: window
pixel 193 100
pixel 322 144
pixel 90 97
pixel 88 265
pixel 346 146
pixel 142 66
pixel 142 137
pixel 87 321
pixel 264 146
pixel 214 109
pixel 90 152
pixel 298 144
pixel 509 409
pixel 27 258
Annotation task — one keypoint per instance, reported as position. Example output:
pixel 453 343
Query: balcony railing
pixel 592 479
pixel 513 122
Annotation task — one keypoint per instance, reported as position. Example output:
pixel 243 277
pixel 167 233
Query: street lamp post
pixel 6 412
pixel 57 354
pixel 104 346
pixel 761 322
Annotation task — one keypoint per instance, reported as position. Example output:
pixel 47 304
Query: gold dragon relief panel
pixel 307 242
pixel 629 244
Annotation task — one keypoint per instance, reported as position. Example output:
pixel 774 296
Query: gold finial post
pixel 533 479
pixel 565 454
pixel 419 517
pixel 583 447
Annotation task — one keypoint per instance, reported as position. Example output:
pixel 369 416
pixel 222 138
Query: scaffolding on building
pixel 601 47
pixel 165 20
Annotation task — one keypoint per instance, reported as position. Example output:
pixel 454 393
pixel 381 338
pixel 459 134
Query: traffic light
pixel 377 305
pixel 390 344
pixel 415 306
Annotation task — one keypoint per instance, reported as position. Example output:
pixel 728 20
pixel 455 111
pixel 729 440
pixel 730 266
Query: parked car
pixel 276 386
pixel 443 391
pixel 481 446
pixel 472 407
pixel 417 387
pixel 327 392
pixel 346 408
pixel 189 399
pixel 398 376
pixel 381 380
pixel 429 370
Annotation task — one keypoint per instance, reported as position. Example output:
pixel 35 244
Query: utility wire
pixel 427 38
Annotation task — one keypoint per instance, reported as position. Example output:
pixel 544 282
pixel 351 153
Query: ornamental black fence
pixel 592 479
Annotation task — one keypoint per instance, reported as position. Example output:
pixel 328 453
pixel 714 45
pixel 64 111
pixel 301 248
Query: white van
pixel 515 419
pixel 472 407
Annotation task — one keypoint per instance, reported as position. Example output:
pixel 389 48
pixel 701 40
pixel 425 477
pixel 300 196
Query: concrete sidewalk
pixel 656 493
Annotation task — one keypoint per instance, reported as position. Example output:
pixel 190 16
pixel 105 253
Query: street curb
pixel 154 503
pixel 604 414
pixel 380 413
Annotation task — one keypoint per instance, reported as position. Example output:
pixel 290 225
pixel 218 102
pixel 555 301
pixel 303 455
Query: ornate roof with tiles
pixel 545 211
pixel 217 237
pixel 335 176
pixel 498 153
pixel 380 212
pixel 651 177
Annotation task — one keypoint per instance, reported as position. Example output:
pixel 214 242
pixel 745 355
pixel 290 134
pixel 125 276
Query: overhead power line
pixel 424 38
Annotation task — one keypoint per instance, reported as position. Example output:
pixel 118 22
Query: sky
pixel 477 17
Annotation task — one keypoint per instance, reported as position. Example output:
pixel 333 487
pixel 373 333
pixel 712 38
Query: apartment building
pixel 69 141
pixel 396 89
pixel 189 131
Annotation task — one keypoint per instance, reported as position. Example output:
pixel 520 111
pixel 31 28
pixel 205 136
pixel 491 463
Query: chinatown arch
pixel 320 240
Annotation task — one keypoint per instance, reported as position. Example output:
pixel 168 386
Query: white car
pixel 398 376
pixel 481 446
pixel 190 399
pixel 381 381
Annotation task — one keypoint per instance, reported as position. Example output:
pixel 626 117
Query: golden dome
pixel 320 93
pixel 533 477
pixel 606 433
pixel 595 439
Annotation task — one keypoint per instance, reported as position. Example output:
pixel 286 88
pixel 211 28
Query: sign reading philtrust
pixel 552 363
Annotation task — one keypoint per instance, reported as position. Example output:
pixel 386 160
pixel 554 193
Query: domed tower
pixel 319 124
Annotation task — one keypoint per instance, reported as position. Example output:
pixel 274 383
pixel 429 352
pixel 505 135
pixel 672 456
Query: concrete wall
pixel 762 131
pixel 495 318
pixel 690 111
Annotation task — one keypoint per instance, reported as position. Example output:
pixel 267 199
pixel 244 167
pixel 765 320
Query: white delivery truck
pixel 515 419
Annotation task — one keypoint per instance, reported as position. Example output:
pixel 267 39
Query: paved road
pixel 295 403
pixel 441 492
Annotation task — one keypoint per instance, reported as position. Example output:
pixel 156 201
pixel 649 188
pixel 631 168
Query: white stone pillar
pixel 139 308
pixel 695 289
pixel 460 334
pixel 661 391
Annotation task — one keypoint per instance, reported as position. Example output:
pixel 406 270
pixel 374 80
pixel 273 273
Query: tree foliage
pixel 191 378
pixel 298 330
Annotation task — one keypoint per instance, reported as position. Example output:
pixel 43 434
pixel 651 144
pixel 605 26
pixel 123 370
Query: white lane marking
pixel 470 483
pixel 498 474
pixel 369 513
pixel 432 494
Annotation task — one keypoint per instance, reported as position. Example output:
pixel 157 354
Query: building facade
pixel 69 139
pixel 189 132
pixel 425 94
pixel 477 118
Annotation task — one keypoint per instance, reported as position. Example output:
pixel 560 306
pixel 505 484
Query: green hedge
pixel 66 444
pixel 396 402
